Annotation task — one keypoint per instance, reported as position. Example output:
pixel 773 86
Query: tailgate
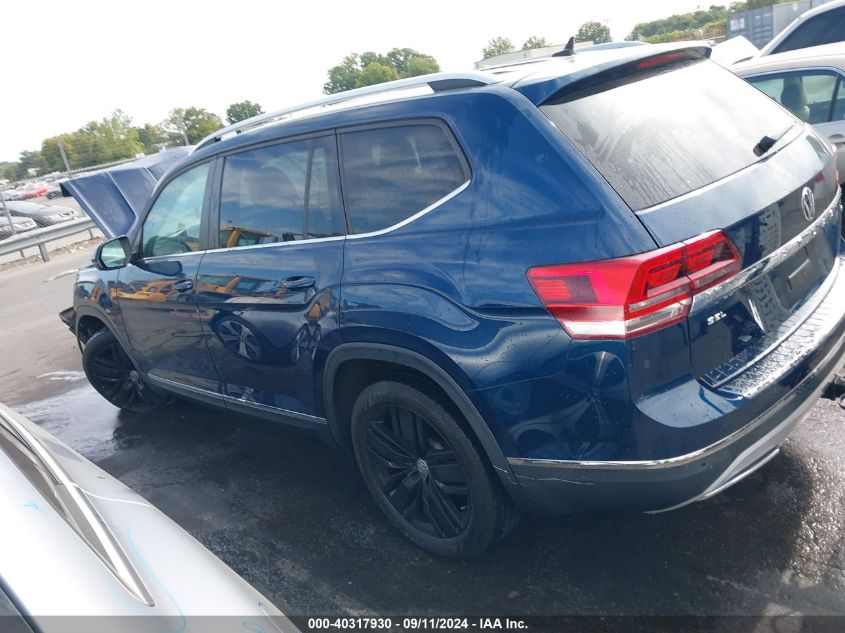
pixel 783 215
pixel 691 148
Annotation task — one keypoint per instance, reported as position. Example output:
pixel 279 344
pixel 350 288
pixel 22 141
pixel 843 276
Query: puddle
pixel 63 375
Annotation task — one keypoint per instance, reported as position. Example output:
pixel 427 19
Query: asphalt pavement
pixel 294 519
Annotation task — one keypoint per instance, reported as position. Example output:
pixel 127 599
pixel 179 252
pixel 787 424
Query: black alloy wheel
pixel 112 373
pixel 426 472
pixel 419 472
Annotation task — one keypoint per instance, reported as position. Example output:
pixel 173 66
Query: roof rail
pixel 436 81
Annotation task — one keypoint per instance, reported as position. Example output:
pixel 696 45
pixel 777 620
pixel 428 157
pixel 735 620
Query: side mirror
pixel 113 254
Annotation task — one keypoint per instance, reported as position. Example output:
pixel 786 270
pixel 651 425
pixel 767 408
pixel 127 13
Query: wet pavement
pixel 295 520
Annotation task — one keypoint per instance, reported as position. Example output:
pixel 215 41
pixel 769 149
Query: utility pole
pixel 62 152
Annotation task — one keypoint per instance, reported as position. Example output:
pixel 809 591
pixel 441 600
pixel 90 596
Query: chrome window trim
pixel 802 69
pixel 333 238
pixel 416 216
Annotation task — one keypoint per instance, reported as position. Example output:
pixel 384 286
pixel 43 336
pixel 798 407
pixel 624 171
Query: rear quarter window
pixel 659 136
pixel 391 173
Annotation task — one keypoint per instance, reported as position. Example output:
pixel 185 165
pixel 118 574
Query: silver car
pixel 76 542
pixel 809 82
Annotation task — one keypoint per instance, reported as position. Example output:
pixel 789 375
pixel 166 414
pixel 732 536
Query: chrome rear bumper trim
pixel 672 462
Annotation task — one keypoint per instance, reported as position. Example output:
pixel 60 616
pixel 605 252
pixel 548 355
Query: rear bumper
pixel 561 486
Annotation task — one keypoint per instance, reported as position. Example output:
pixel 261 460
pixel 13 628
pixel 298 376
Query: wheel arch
pixel 419 364
pixel 84 329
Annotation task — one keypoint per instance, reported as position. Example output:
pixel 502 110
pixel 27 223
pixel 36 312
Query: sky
pixel 70 62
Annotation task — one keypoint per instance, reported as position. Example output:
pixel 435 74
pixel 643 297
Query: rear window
pixel 662 135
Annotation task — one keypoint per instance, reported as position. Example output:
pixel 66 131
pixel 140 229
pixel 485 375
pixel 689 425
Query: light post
pixel 62 152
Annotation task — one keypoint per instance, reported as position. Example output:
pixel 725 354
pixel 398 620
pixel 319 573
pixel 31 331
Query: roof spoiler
pixel 624 70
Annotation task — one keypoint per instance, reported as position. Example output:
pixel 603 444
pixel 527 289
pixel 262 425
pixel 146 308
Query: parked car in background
pixel 823 25
pixel 76 542
pixel 11 194
pixel 54 189
pixel 609 279
pixel 44 215
pixel 809 83
pixel 33 190
pixel 21 225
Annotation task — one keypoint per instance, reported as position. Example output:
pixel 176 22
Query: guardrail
pixel 40 237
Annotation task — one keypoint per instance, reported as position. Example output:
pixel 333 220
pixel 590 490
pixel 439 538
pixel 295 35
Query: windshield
pixel 664 135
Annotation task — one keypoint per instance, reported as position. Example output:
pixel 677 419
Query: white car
pixel 80 551
pixel 811 84
pixel 823 25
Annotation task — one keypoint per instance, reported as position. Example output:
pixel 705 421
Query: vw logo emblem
pixel 808 204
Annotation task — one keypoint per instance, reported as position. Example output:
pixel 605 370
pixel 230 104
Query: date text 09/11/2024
pixel 410 623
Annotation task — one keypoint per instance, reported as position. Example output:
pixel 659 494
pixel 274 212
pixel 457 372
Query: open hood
pixel 114 198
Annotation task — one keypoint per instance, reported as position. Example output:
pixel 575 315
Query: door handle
pixel 838 139
pixel 299 282
pixel 183 285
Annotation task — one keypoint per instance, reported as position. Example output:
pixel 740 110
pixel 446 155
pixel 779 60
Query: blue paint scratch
pixel 34 506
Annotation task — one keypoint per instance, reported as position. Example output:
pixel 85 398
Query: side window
pixel 809 95
pixel 173 224
pixel 825 28
pixel 391 173
pixel 280 193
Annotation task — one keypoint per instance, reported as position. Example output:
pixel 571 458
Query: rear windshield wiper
pixel 768 142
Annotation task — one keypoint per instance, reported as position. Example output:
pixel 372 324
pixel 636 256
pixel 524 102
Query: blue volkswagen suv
pixel 607 279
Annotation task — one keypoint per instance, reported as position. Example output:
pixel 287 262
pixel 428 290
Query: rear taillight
pixel 629 296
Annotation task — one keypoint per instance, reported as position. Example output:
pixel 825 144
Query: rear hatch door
pixel 692 148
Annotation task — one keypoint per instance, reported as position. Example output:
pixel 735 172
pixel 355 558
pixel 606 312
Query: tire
pixel 426 473
pixel 112 373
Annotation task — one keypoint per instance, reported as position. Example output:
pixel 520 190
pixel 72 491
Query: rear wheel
pixel 426 473
pixel 112 373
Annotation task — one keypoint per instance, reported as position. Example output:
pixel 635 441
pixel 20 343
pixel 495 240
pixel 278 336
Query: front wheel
pixel 426 473
pixel 112 373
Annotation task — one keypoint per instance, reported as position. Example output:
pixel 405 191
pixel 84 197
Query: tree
pixel 344 76
pixel 52 156
pixel 28 160
pixel 187 126
pixel 376 73
pixel 151 137
pixel 594 32
pixel 107 140
pixel 421 65
pixel 242 110
pixel 697 24
pixel 352 71
pixel 497 46
pixel 535 41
